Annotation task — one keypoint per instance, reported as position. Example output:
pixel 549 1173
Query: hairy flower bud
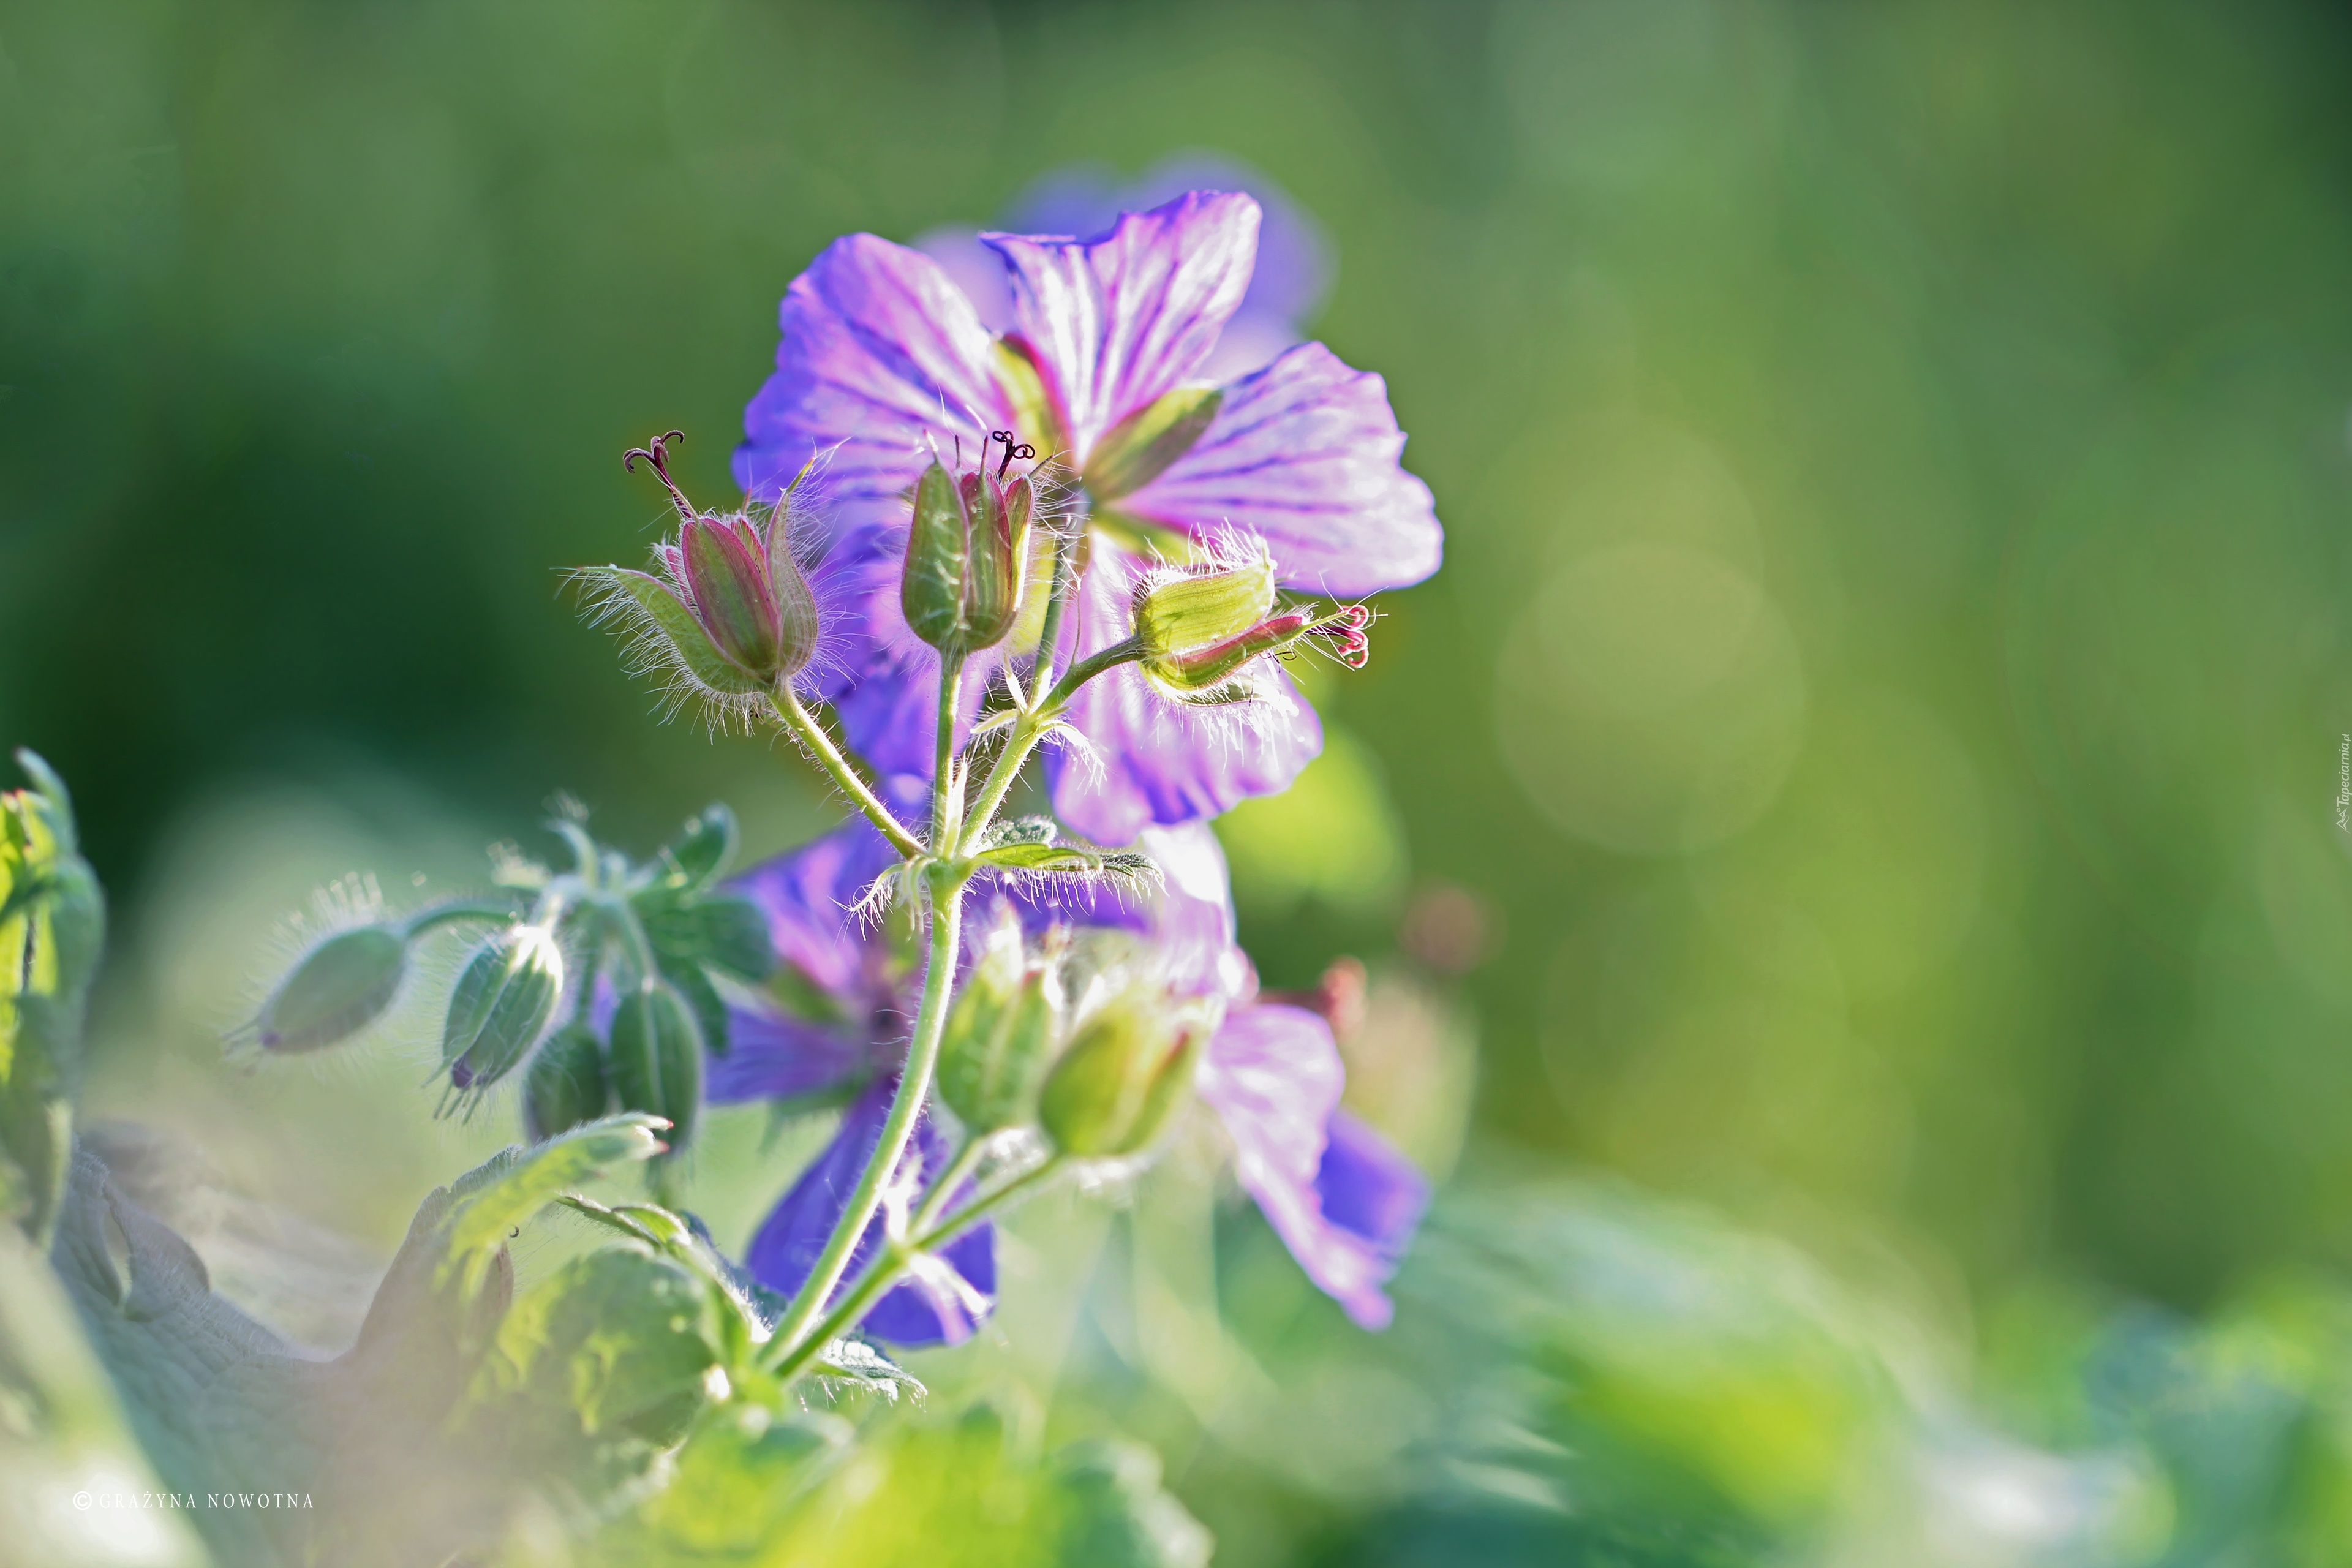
pixel 565 1085
pixel 502 1005
pixel 731 614
pixel 1127 1071
pixel 1209 673
pixel 339 987
pixel 1001 1034
pixel 726 570
pixel 656 1059
pixel 967 554
pixel 1194 609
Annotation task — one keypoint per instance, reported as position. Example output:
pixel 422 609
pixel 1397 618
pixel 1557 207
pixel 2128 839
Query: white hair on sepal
pixel 348 902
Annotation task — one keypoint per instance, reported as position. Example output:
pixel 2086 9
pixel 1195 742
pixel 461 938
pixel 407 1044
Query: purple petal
pixel 947 1305
pixel 880 347
pixel 1368 1189
pixel 808 895
pixel 1160 761
pixel 977 270
pixel 1117 321
pixel 1305 454
pixel 1294 266
pixel 1272 1075
pixel 772 1056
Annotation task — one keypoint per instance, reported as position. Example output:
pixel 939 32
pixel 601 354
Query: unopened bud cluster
pixel 1100 1081
pixel 598 984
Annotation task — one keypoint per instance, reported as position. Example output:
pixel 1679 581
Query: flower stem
pixel 891 1265
pixel 1031 727
pixel 898 1126
pixel 947 789
pixel 810 733
pixel 1057 597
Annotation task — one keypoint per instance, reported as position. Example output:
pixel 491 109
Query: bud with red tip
pixel 730 617
pixel 967 549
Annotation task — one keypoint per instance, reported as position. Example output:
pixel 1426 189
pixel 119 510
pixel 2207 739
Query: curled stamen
pixel 657 452
pixel 1021 449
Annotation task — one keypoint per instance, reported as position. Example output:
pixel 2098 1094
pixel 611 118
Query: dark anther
pixel 1021 449
pixel 657 452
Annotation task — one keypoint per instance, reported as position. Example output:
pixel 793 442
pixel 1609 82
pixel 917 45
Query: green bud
pixel 1140 448
pixel 565 1086
pixel 1001 1034
pixel 1126 1073
pixel 1199 608
pixel 656 1059
pixel 931 591
pixel 338 988
pixel 967 558
pixel 502 1005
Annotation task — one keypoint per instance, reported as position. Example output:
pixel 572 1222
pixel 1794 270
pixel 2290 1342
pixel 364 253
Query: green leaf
pixel 499 1194
pixel 703 851
pixel 617 1344
pixel 1040 857
pixel 854 1361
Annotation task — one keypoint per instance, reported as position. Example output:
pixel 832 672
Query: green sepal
pixel 502 1003
pixel 1024 386
pixel 1127 1068
pixel 931 591
pixel 339 987
pixel 1000 1033
pixel 1140 448
pixel 1040 857
pixel 668 619
pixel 1197 608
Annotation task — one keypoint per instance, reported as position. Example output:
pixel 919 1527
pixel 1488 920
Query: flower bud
pixel 502 1005
pixel 1209 673
pixel 565 1085
pixel 1126 1073
pixel 338 988
pixel 656 1059
pixel 967 552
pixel 1198 608
pixel 1001 1034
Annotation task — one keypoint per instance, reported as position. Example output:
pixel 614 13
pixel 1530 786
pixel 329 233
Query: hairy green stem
pixel 947 804
pixel 966 1158
pixel 1031 727
pixel 898 1126
pixel 887 1269
pixel 805 727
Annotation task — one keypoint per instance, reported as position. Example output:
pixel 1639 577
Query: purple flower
pixel 883 355
pixel 845 1007
pixel 1342 1199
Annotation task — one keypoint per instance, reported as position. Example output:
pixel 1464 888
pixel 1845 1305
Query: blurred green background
pixel 1881 704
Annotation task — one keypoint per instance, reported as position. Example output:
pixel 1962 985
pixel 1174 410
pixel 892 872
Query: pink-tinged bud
pixel 727 578
pixel 1201 629
pixel 731 613
pixel 967 549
